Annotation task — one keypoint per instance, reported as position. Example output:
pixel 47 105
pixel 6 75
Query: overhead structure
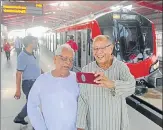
pixel 56 13
pixel 150 5
pixel 21 8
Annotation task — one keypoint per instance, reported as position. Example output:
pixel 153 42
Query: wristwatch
pixel 113 89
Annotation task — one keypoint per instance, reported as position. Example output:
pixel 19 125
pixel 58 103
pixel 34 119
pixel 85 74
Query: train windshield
pixel 133 39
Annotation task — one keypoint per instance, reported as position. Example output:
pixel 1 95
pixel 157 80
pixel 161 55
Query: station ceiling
pixel 56 13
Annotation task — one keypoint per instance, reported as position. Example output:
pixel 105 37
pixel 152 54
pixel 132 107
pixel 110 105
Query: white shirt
pixel 58 100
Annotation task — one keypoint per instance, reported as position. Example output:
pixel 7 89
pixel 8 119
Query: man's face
pixel 102 51
pixel 64 61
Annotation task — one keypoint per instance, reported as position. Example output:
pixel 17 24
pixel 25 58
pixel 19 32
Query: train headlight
pixel 154 67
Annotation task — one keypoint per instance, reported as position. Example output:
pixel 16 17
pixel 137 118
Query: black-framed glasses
pixel 101 48
pixel 66 59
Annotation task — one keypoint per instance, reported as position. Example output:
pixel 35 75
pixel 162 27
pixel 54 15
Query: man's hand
pixel 103 81
pixel 17 94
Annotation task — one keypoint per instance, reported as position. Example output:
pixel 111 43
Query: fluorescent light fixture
pixel 60 4
pixel 114 8
pixel 129 7
pixel 48 12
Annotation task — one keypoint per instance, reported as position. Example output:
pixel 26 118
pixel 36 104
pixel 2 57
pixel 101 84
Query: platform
pixel 10 107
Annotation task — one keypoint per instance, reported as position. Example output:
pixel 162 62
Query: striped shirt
pixel 101 108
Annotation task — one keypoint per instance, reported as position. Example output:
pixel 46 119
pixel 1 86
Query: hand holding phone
pixel 87 78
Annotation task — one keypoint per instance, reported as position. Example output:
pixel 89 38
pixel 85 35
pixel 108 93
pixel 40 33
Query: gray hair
pixel 60 48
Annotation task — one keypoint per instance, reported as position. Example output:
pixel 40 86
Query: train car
pixel 134 38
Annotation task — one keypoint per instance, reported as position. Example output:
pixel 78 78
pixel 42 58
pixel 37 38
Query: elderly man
pixel 56 92
pixel 103 106
pixel 28 70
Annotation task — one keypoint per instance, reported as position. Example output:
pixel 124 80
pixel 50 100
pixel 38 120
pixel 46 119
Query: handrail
pixel 146 109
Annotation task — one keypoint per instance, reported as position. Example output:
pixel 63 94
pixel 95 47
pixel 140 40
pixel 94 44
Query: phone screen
pixel 87 78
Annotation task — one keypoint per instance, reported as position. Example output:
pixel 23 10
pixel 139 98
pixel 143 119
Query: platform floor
pixel 9 106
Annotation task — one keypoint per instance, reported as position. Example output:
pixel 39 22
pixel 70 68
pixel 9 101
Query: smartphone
pixel 87 78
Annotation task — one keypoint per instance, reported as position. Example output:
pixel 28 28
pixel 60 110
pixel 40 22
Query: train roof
pixel 92 17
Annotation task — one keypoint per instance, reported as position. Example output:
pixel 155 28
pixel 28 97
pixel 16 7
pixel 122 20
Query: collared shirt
pixel 103 108
pixel 57 98
pixel 27 63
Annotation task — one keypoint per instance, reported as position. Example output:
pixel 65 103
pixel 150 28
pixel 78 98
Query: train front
pixel 135 44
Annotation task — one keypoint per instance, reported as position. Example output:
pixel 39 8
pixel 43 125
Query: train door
pixel 84 48
pixel 78 54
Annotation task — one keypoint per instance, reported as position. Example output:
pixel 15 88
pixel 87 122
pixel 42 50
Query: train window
pixel 61 38
pixel 64 37
pixel 147 37
pixel 52 42
pixel 48 41
pixel 90 42
pixel 58 39
pixel 78 41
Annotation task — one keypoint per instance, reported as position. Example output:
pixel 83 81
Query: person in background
pixel 28 70
pixel 103 106
pixel 73 45
pixel 56 92
pixel 7 49
pixel 18 45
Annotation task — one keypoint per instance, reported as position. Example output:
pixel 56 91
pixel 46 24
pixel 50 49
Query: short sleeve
pixel 21 63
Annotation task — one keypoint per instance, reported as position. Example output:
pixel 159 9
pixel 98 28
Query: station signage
pixel 34 9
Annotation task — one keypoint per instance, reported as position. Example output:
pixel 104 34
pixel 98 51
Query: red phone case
pixel 85 78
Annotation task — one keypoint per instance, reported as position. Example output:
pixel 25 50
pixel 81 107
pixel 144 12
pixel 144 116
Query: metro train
pixel 134 38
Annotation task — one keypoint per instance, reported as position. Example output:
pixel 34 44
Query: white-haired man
pixel 103 106
pixel 56 92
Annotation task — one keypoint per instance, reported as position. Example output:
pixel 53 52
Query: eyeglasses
pixel 101 48
pixel 66 59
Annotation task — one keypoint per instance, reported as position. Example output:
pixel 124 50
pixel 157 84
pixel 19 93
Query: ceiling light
pixel 114 8
pixel 129 7
pixel 61 4
pixel 48 12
